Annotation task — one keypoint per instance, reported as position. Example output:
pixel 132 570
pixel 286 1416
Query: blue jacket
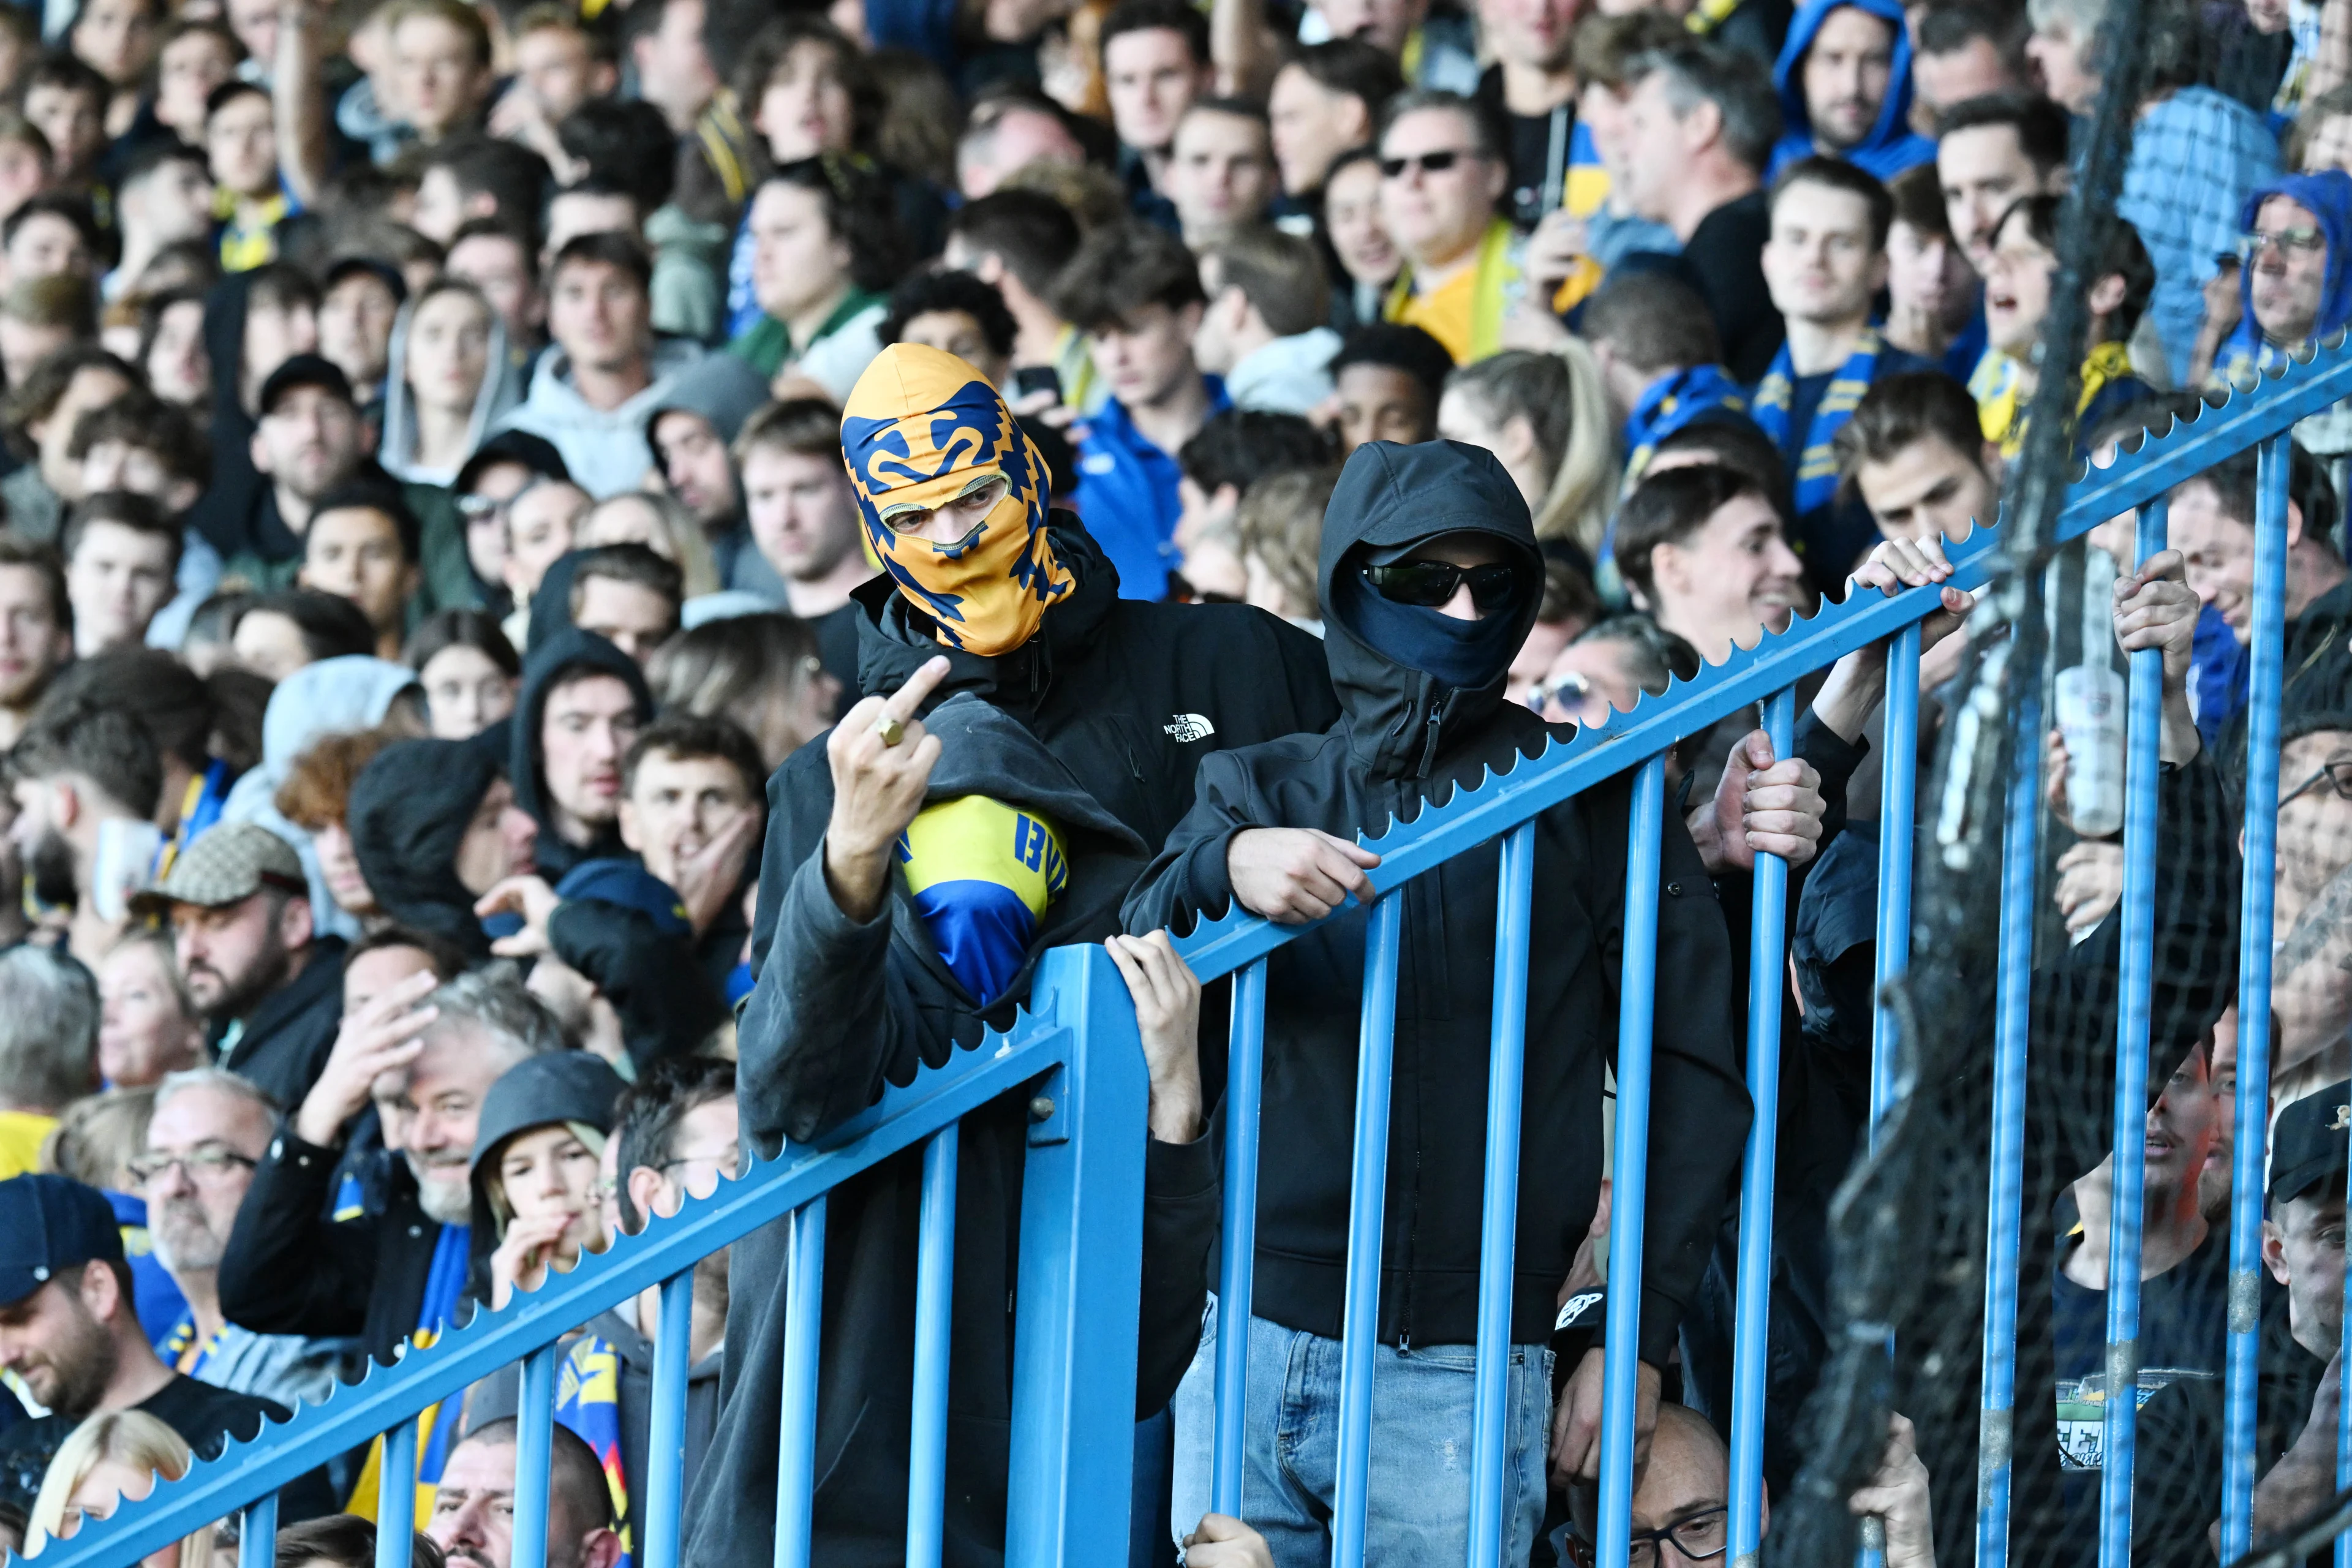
pixel 2329 194
pixel 1126 496
pixel 1891 147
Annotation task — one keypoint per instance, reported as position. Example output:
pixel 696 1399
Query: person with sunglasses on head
pixel 1430 578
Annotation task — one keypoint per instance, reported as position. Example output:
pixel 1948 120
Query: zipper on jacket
pixel 1429 750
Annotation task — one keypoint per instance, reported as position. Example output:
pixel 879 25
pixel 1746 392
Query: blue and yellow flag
pixel 588 1405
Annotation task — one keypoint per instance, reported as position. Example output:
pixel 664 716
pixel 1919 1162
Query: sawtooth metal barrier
pixel 1075 1051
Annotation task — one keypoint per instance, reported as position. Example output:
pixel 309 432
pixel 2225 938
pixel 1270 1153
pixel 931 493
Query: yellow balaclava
pixel 921 428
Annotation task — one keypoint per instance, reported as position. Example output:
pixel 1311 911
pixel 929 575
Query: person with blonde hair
pixel 662 524
pixel 147 1026
pixel 763 672
pixel 1280 525
pixel 114 1455
pixel 1545 417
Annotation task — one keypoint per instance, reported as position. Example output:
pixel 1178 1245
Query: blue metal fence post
pixel 1073 1439
pixel 1245 1077
pixel 2127 1170
pixel 2344 1418
pixel 796 1435
pixel 666 1426
pixel 2264 685
pixel 2021 858
pixel 1505 1068
pixel 1636 1011
pixel 396 1494
pixel 1767 970
pixel 1367 1208
pixel 926 1469
pixel 534 1448
pixel 1898 800
pixel 256 1536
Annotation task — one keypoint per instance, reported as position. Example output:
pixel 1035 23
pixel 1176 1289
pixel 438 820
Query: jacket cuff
pixel 822 914
pixel 304 1160
pixel 1178 1172
pixel 1832 756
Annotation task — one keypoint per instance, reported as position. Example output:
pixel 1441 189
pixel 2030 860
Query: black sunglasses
pixel 1429 584
pixel 1430 162
pixel 2335 773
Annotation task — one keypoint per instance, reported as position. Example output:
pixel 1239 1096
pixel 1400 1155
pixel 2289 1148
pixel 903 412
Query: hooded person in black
pixel 226 511
pixel 1058 701
pixel 409 811
pixel 558 1218
pixel 569 658
pixel 1431 575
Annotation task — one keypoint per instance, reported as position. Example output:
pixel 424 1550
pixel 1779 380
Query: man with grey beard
pixel 384 1269
pixel 209 1130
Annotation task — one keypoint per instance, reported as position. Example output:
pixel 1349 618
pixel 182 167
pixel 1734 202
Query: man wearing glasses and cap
pixel 69 1332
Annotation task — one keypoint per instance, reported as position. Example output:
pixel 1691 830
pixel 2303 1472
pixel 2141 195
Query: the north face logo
pixel 1189 727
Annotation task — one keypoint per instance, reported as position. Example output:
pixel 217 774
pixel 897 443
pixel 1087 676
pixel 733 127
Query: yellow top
pixel 22 1133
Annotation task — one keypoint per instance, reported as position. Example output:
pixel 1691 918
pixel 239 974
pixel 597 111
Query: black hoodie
pixel 1405 740
pixel 409 809
pixel 569 653
pixel 222 513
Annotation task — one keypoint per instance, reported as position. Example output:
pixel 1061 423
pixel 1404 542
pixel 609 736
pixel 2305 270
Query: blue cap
pixel 49 1225
pixel 629 886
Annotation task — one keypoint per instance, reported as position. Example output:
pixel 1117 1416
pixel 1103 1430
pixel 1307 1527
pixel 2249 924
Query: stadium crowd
pixel 584 586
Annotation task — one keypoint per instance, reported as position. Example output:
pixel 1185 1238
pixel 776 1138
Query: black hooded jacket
pixel 221 514
pixel 1094 723
pixel 285 1042
pixel 571 652
pixel 409 809
pixel 1405 740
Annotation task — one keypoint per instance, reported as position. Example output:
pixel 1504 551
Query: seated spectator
pixel 1964 49
pixel 955 314
pixel 86 782
pixel 537 1141
pixel 541 520
pixel 1136 292
pixel 762 673
pixel 1263 329
pixel 69 1328
pixel 307 441
pixel 192 58
pixel 43 316
pixel 466 178
pixel 1008 129
pixel 25 161
pixel 238 905
pixel 35 629
pixel 49 1051
pixel 1844 78
pixel 693 800
pixel 804 519
pixel 1931 304
pixel 1441 177
pixel 1155 64
pixel 1390 381
pixel 652 521
pixel 473 1507
pixel 2019 276
pixel 1221 176
pixel 241 143
pixel 358 303
pixel 583 701
pixel 172 348
pixel 628 595
pixel 501 262
pixel 278 634
pixel 316 798
pixel 2287 293
pixel 147 1025
pixel 1701 126
pixel 39 416
pixel 1278 530
pixel 1661 363
pixel 468 669
pixel 66 101
pixel 1359 237
pixel 690 436
pixel 1915 455
pixel 1324 100
pixel 435 827
pixel 1232 452
pixel 209 1130
pixel 165 196
pixel 362 546
pixel 1546 418
pixel 1704 552
pixel 590 395
pixel 1568 609
pixel 114 1458
pixel 826 251
pixel 122 555
pixel 451 386
pixel 1606 668
pixel 1017 242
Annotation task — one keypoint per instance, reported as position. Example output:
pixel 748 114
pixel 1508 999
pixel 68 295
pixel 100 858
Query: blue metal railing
pixel 1074 1351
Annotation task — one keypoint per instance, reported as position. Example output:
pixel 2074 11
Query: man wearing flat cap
pixel 69 1332
pixel 238 906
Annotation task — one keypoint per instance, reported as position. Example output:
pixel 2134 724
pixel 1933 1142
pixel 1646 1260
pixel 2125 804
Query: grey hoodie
pixel 605 448
pixel 501 389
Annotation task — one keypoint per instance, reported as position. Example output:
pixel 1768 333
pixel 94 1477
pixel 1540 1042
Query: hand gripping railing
pixel 1074 1352
pixel 1074 1342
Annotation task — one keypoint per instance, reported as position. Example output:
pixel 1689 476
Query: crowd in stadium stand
pixel 583 586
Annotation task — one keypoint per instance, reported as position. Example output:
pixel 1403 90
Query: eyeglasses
pixel 730 1164
pixel 1698 1537
pixel 2336 775
pixel 1571 691
pixel 1429 583
pixel 480 509
pixel 1427 162
pixel 2289 241
pixel 201 1166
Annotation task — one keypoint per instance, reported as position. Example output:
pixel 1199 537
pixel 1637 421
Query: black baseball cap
pixel 536 453
pixel 306 370
pixel 2308 1145
pixel 49 1225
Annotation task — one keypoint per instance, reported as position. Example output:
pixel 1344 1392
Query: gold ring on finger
pixel 890 729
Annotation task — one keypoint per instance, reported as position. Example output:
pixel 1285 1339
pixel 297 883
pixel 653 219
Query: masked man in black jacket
pixel 1431 575
pixel 1068 719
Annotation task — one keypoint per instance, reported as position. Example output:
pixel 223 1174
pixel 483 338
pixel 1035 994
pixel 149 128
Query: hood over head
pixel 570 652
pixel 333 697
pixel 722 388
pixel 921 428
pixel 1891 146
pixel 1406 675
pixel 501 389
pixel 408 812
pixel 572 1087
pixel 2329 194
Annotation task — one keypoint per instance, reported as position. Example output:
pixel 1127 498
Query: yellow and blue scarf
pixel 1668 404
pixel 444 1285
pixel 588 1405
pixel 983 874
pixel 1816 465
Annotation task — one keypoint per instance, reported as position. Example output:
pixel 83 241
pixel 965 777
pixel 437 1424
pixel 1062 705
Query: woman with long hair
pixel 114 1455
pixel 761 671
pixel 1545 417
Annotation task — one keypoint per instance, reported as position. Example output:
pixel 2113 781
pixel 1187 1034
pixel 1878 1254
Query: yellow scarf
pixel 2001 407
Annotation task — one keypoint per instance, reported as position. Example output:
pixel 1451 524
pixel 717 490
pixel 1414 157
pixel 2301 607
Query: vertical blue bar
pixel 2020 853
pixel 396 1494
pixel 1636 1010
pixel 1245 1075
pixel 1767 966
pixel 1367 1205
pixel 1498 1242
pixel 796 1434
pixel 2252 1136
pixel 2135 981
pixel 1898 800
pixel 534 1446
pixel 2344 1423
pixel 256 1538
pixel 665 1426
pixel 926 1463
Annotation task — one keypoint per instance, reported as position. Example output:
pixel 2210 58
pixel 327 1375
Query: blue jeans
pixel 1418 1501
